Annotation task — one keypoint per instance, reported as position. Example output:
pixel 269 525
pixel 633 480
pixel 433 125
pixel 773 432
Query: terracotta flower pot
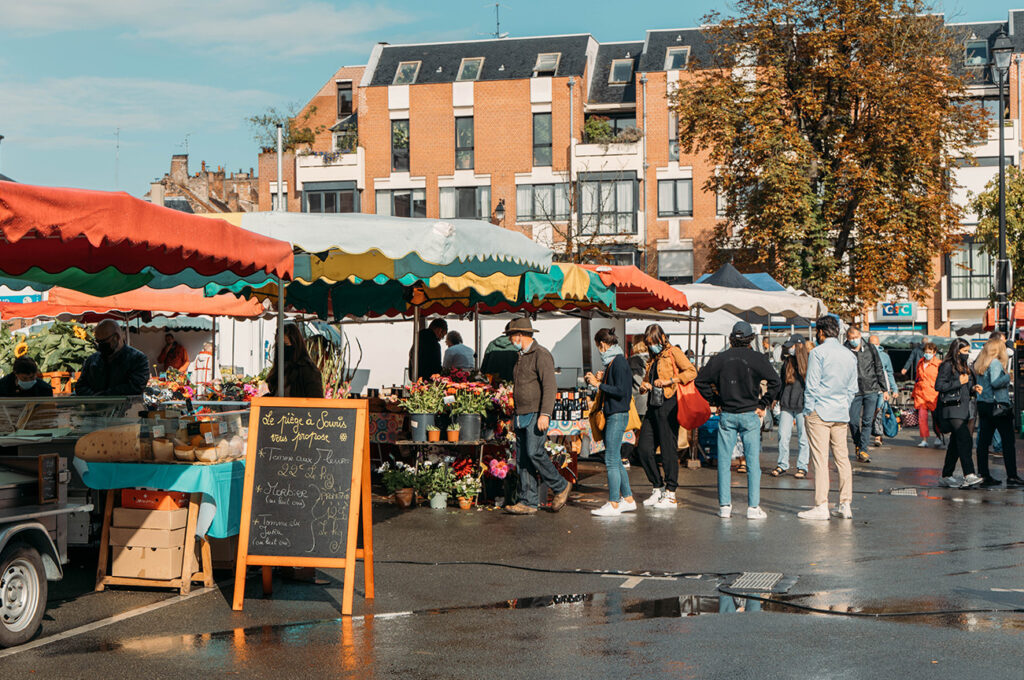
pixel 453 435
pixel 404 498
pixel 433 435
pixel 465 503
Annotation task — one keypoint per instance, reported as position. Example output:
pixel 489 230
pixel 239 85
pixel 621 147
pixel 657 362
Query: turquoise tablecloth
pixel 220 484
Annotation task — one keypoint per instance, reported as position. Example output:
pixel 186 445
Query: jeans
pixel 959 447
pixel 533 460
pixel 1002 426
pixel 803 456
pixel 660 429
pixel 747 428
pixel 862 416
pixel 618 478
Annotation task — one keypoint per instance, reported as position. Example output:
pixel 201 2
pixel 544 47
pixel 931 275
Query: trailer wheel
pixel 23 590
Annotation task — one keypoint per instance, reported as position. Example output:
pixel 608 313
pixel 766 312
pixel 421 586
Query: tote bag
pixel 890 423
pixel 693 410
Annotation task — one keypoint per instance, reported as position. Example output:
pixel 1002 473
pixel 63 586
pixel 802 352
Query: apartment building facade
pixel 572 142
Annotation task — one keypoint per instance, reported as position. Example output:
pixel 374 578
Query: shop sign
pixel 896 311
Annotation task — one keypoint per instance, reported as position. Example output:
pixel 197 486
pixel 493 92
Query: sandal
pixel 800 474
pixel 741 468
pixel 777 472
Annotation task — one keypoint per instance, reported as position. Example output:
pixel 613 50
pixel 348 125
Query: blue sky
pixel 74 71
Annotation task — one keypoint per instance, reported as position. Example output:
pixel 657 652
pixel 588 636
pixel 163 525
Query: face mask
pixel 26 384
pixel 106 347
pixel 655 349
pixel 289 352
pixel 518 345
pixel 792 351
pixel 855 343
pixel 928 356
pixel 965 354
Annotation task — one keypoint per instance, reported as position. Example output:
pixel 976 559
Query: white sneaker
pixel 923 444
pixel 725 511
pixel 607 510
pixel 667 501
pixel 756 513
pixel 625 464
pixel 627 507
pixel 953 482
pixel 972 480
pixel 843 511
pixel 654 498
pixel 937 443
pixel 819 512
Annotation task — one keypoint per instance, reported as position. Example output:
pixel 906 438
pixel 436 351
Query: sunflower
pixel 21 349
pixel 80 333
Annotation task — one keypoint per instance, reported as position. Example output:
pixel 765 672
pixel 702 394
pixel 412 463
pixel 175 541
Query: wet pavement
pixel 923 586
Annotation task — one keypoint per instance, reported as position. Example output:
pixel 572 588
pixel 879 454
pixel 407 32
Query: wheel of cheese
pixel 223 450
pixel 185 453
pixel 163 451
pixel 112 444
pixel 206 454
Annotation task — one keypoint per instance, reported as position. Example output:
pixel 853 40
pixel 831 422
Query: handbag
pixel 656 397
pixel 1001 409
pixel 635 422
pixel 693 410
pixel 909 416
pixel 596 418
pixel 890 423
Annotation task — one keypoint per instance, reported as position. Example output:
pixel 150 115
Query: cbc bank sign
pixel 896 311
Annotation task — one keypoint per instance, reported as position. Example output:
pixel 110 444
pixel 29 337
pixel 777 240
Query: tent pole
pixel 127 329
pixel 213 352
pixel 477 340
pixel 696 335
pixel 416 321
pixel 234 333
pixel 279 361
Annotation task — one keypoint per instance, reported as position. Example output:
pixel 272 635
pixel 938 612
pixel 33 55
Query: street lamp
pixel 499 212
pixel 1001 66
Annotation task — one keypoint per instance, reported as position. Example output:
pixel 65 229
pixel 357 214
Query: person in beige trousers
pixel 830 390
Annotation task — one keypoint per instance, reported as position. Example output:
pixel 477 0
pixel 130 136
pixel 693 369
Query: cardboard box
pixel 147 538
pixel 150 499
pixel 132 518
pixel 224 552
pixel 138 562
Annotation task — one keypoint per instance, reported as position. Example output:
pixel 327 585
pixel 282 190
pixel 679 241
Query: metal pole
pixel 696 335
pixel 280 337
pixel 280 169
pixel 415 344
pixel 213 352
pixel 1002 268
pixel 477 339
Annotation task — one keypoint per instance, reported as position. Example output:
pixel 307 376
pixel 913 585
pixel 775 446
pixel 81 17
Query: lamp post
pixel 1001 66
pixel 499 213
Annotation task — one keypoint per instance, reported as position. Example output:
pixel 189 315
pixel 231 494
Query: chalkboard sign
pixel 307 483
pixel 49 473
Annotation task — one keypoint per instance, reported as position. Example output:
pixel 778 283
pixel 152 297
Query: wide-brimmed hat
pixel 795 339
pixel 522 325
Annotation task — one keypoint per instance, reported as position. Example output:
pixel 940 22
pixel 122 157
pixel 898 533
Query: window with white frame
pixel 542 202
pixel 402 203
pixel 471 203
pixel 677 58
pixel 621 71
pixel 542 153
pixel 608 204
pixel 344 89
pixel 976 53
pixel 970 272
pixel 470 68
pixel 406 73
pixel 464 143
pixel 400 146
pixel 673 136
pixel 675 198
pixel 547 64
pixel 721 204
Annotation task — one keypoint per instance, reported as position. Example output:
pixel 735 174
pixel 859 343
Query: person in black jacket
pixel 23 381
pixel 791 406
pixel 116 369
pixel 638 361
pixel 302 379
pixel 616 387
pixel 732 382
pixel 429 362
pixel 871 380
pixel 956 387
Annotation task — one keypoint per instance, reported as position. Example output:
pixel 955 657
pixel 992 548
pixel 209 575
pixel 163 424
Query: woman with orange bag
pixel 926 398
pixel 668 367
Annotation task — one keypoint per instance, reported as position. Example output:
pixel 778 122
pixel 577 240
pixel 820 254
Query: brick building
pixel 572 142
pixel 207 191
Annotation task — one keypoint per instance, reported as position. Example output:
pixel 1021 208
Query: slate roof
pixel 603 92
pixel 659 41
pixel 988 30
pixel 517 55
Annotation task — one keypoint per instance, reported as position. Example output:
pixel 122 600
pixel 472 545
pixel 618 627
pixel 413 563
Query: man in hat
pixel 533 390
pixel 732 382
pixel 831 389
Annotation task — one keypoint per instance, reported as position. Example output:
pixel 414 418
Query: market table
pixel 214 511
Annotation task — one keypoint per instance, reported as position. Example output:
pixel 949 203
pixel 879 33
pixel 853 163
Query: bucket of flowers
pixel 423 404
pixel 398 479
pixel 434 480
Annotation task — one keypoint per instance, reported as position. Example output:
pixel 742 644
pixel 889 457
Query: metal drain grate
pixel 756 581
pixel 906 491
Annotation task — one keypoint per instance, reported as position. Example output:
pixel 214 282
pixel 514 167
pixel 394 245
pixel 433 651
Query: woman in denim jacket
pixel 995 412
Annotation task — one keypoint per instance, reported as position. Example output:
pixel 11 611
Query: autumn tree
pixel 833 125
pixel 296 130
pixel 986 206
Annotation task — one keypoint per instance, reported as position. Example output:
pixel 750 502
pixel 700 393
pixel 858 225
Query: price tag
pixel 208 437
pixel 158 431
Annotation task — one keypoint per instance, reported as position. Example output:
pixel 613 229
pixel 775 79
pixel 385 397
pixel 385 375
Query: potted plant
pixel 453 432
pixel 423 404
pixel 469 407
pixel 466 490
pixel 435 481
pixel 433 433
pixel 399 479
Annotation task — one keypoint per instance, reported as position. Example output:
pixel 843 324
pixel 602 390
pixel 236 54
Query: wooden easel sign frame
pixel 295 449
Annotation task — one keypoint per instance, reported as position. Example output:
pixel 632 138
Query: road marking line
pixel 633 581
pixel 1008 590
pixel 102 623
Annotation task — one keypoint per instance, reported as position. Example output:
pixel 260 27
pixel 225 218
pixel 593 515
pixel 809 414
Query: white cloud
pixel 266 27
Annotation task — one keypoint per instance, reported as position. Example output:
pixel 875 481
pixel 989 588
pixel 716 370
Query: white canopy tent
pixel 764 303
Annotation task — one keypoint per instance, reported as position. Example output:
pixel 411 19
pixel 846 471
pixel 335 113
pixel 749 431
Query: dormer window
pixel 621 71
pixel 547 64
pixel 406 73
pixel 676 58
pixel 470 68
pixel 976 53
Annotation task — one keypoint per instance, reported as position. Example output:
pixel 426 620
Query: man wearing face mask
pixel 871 380
pixel 890 375
pixel 115 369
pixel 22 381
pixel 533 390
